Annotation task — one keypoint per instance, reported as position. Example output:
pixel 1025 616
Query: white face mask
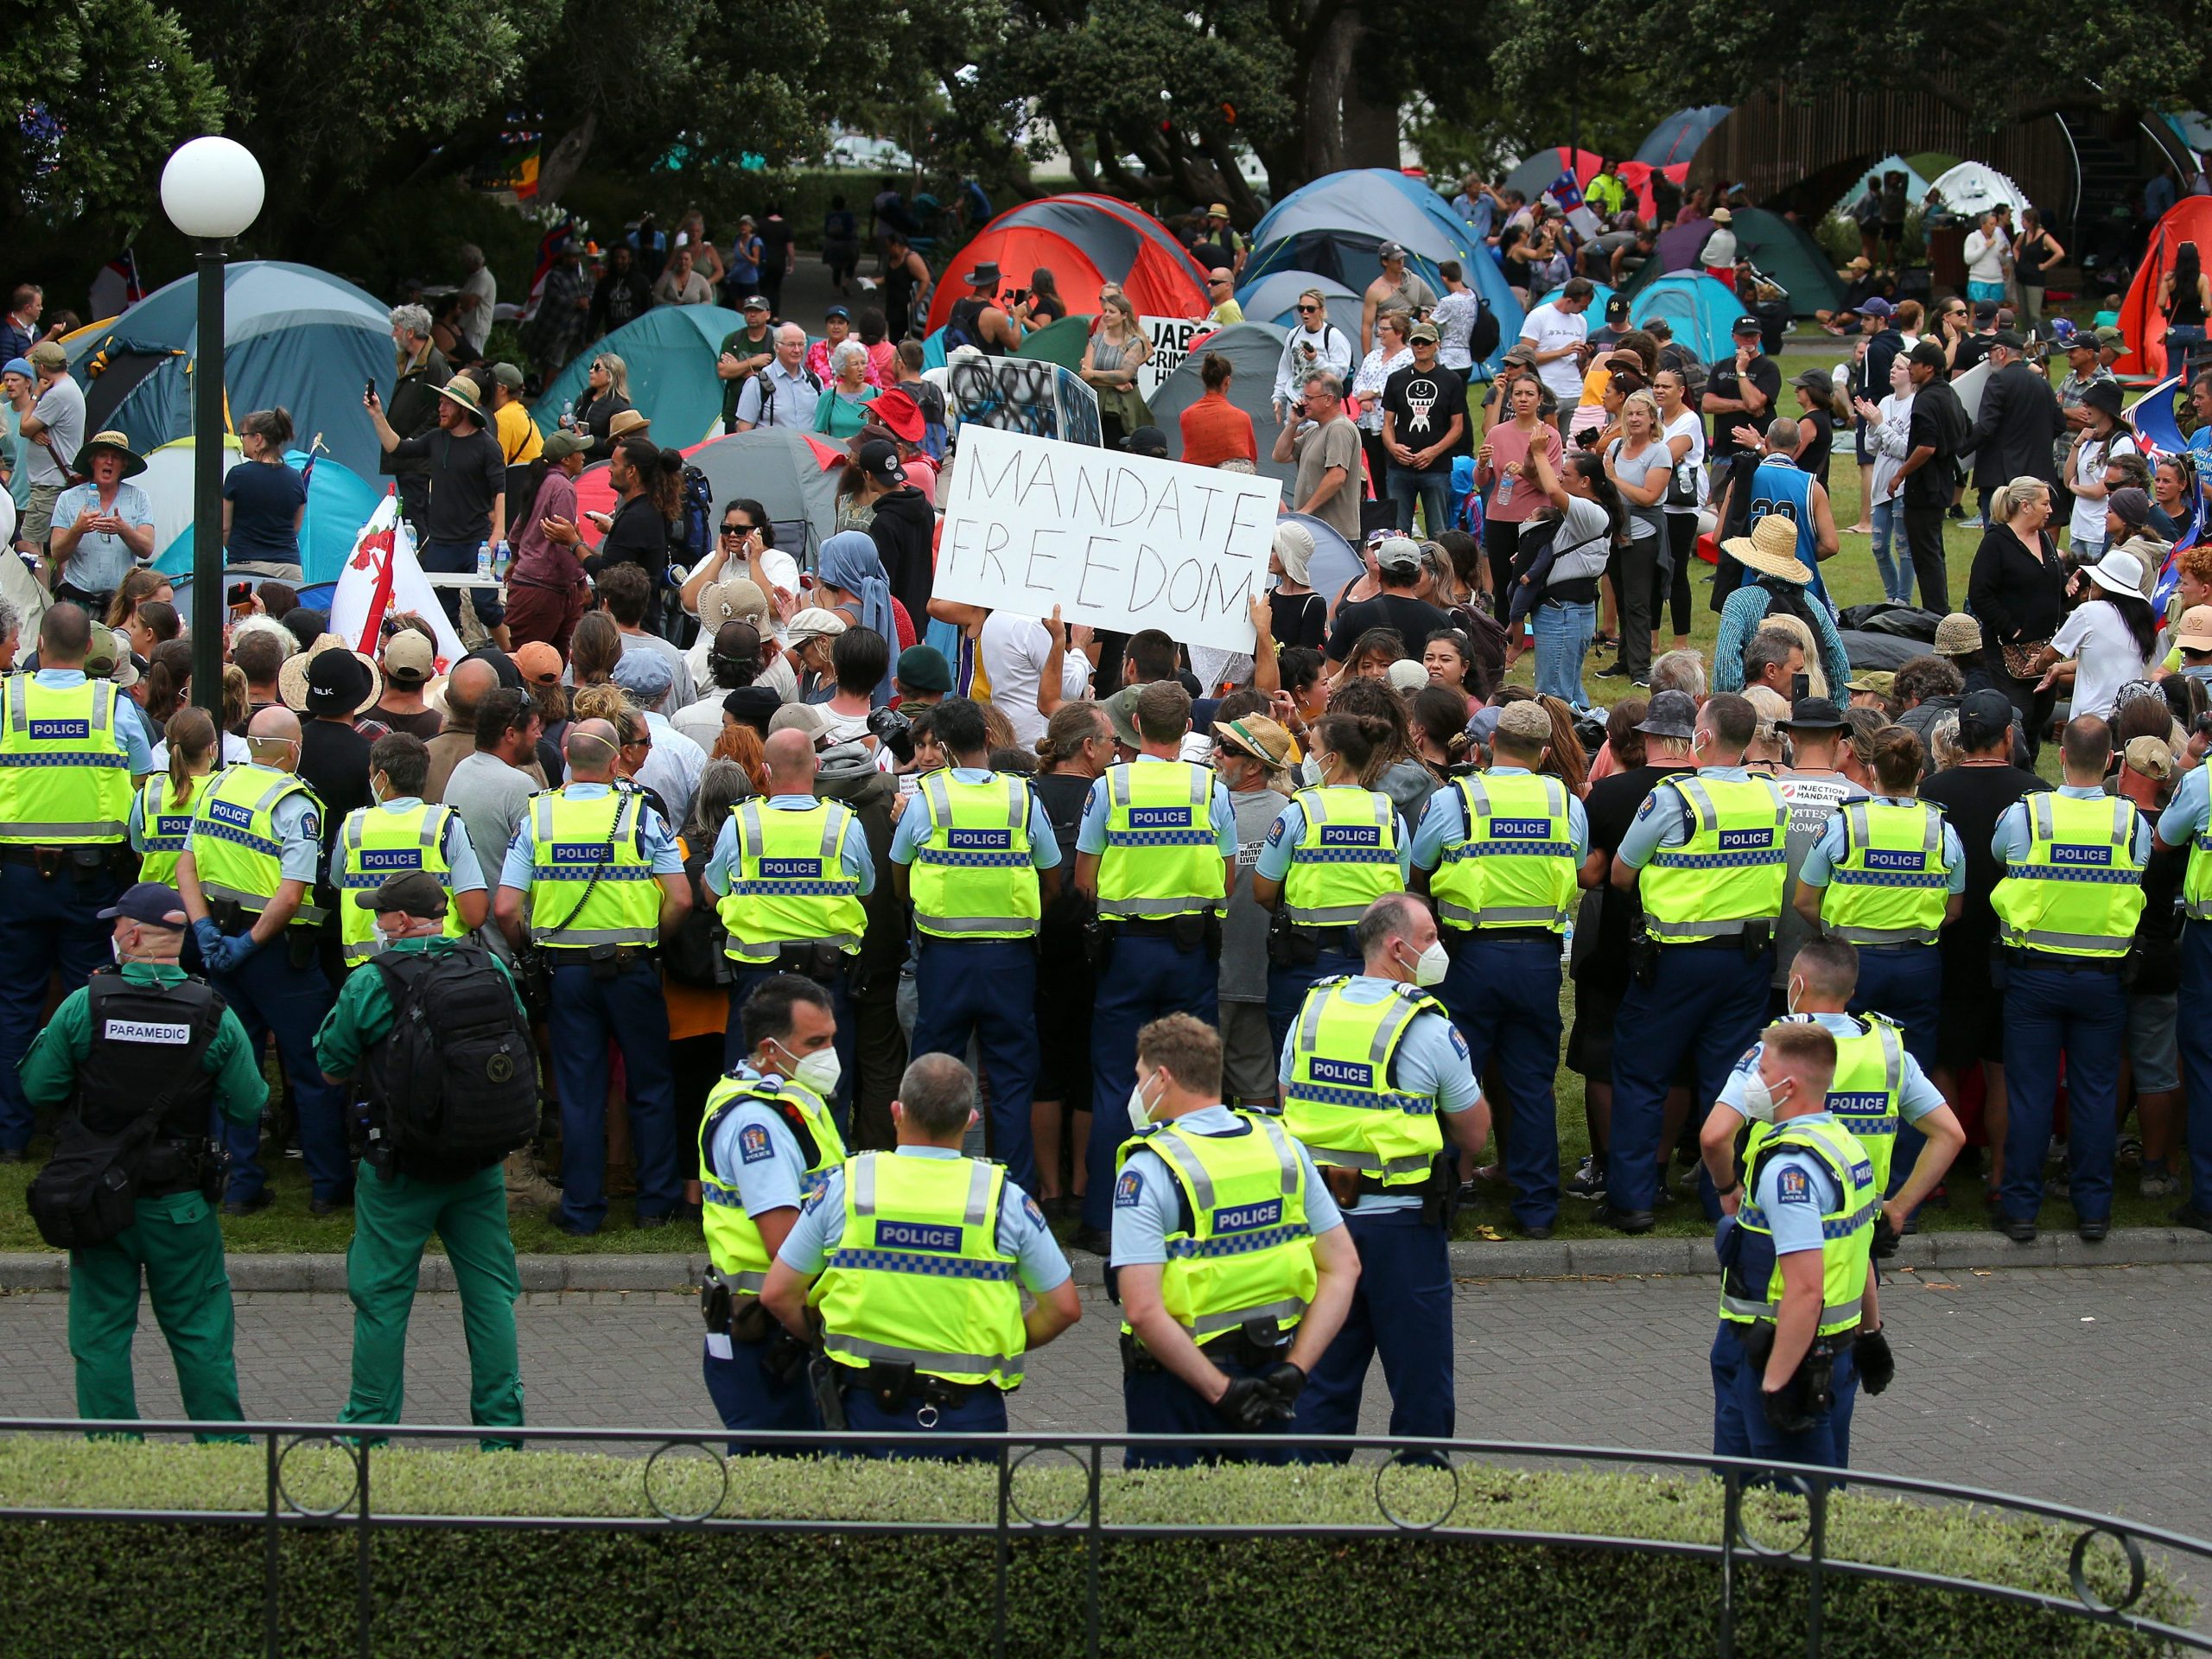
pixel 1431 966
pixel 1140 1114
pixel 819 1071
pixel 1759 1099
pixel 1796 990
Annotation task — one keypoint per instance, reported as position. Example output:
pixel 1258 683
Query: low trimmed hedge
pixel 178 1591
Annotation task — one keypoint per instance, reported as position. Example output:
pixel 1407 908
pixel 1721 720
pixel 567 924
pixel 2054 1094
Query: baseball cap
pixel 1957 635
pixel 1424 331
pixel 1671 714
pixel 880 461
pixel 2009 338
pixel 409 658
pixel 539 662
pixel 756 303
pixel 814 623
pixel 1399 553
pixel 1929 355
pixel 1875 305
pixel 2110 336
pixel 645 673
pixel 1147 440
pixel 155 903
pixel 415 892
pixel 1877 681
pixel 507 375
pixel 1617 310
pixel 1814 714
pixel 1122 709
pixel 1256 735
pixel 838 311
pixel 922 668
pixel 1387 251
pixel 1985 310
pixel 559 446
pixel 48 354
pixel 1527 722
pixel 2194 631
pixel 1407 675
pixel 1983 716
pixel 2152 757
pixel 808 717
pixel 1747 324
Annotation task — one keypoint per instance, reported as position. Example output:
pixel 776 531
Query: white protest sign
pixel 1117 541
pixel 1171 339
pixel 1968 388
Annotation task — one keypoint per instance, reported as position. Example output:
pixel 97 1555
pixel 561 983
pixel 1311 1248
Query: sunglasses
pixel 1307 311
pixel 738 529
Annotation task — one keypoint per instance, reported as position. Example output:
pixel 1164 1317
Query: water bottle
pixel 1504 494
pixel 484 561
pixel 1567 941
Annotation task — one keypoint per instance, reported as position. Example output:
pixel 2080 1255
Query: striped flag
pixel 550 248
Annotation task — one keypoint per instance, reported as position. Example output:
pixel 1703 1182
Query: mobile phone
pixel 368 388
pixel 240 594
pixel 1801 685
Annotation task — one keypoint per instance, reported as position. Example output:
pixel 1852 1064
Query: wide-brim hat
pixel 2119 573
pixel 1771 550
pixel 464 391
pixel 623 423
pixel 2103 396
pixel 292 678
pixel 114 443
pixel 987 272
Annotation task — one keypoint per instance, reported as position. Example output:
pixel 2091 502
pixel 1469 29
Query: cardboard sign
pixel 1116 541
pixel 1022 394
pixel 1171 339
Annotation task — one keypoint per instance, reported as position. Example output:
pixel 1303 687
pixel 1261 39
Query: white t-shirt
pixel 235 752
pixel 1688 425
pixel 1890 441
pixel 2096 636
pixel 1013 648
pixel 1549 329
pixel 476 323
pixel 2088 523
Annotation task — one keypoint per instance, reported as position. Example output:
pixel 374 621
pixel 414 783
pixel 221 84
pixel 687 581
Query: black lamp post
pixel 212 190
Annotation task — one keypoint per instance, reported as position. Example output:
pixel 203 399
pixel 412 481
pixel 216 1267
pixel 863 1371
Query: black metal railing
pixel 282 1511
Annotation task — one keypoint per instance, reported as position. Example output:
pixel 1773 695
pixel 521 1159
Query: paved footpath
pixel 2085 1386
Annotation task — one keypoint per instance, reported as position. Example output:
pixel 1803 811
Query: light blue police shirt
pixel 852 847
pixel 1828 852
pixel 1665 818
pixel 1289 829
pixel 1147 1208
pixel 1022 1233
pixel 2190 812
pixel 1090 834
pixel 138 753
pixel 1444 822
pixel 515 870
pixel 914 823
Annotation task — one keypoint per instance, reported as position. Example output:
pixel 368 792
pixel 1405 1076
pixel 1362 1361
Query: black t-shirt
pixel 467 473
pixel 1422 403
pixel 1298 618
pixel 1720 381
pixel 2157 952
pixel 335 763
pixel 1973 799
pixel 638 536
pixel 1611 806
pixel 1938 423
pixel 1415 619
pixel 1972 350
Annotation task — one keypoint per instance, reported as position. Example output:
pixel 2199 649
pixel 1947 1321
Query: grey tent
pixel 1253 350
pixel 780 468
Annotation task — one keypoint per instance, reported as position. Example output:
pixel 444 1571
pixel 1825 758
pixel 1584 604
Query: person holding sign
pixel 1157 852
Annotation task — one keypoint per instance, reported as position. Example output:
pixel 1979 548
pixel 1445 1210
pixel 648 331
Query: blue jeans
pixel 986 989
pixel 2083 1015
pixel 458 559
pixel 1563 635
pixel 48 924
pixel 631 1012
pixel 1145 977
pixel 1896 573
pixel 1504 996
pixel 1431 491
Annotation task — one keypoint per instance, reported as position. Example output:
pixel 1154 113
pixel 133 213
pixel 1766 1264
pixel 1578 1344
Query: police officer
pixel 68 757
pixel 403 1193
pixel 766 1143
pixel 2187 822
pixel 983 861
pixel 1231 1262
pixel 402 832
pixel 1371 1062
pixel 138 1038
pixel 2067 908
pixel 248 876
pixel 914 1263
pixel 1877 1090
pixel 1707 855
pixel 1157 851
pixel 161 809
pixel 604 884
pixel 1502 853
pixel 1795 1249
pixel 790 871
pixel 1333 851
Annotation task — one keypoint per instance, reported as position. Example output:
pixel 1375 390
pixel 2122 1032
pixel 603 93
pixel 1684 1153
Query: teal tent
pixel 1777 246
pixel 1701 311
pixel 671 353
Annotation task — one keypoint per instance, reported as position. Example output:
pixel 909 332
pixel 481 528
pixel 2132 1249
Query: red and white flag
pixel 382 578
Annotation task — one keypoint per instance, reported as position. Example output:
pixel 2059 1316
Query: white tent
pixel 1971 189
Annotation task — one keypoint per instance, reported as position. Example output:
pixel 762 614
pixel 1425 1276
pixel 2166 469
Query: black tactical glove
pixel 1785 1407
pixel 1877 1364
pixel 1284 1383
pixel 1248 1405
pixel 1885 1236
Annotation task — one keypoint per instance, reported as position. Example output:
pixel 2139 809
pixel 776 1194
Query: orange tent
pixel 2189 219
pixel 1085 241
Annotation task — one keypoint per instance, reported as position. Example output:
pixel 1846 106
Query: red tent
pixel 1542 169
pixel 2189 219
pixel 1085 242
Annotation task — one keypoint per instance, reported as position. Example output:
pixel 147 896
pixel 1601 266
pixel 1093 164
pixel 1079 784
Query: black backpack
pixel 697 954
pixel 455 1083
pixel 1483 337
pixel 693 533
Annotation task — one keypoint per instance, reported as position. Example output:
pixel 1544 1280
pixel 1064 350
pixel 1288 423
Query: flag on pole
pixel 550 248
pixel 383 578
pixel 2157 433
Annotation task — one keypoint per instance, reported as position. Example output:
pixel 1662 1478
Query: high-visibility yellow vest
pixel 2196 880
pixel 733 1240
pixel 1516 866
pixel 591 879
pixel 233 841
pixel 790 885
pixel 64 767
pixel 375 842
pixel 919 1278
pixel 1339 1099
pixel 1162 857
pixel 972 877
pixel 1867 1097
pixel 1731 870
pixel 1346 856
pixel 2079 891
pixel 163 831
pixel 1751 1290
pixel 1890 886
pixel 1242 1248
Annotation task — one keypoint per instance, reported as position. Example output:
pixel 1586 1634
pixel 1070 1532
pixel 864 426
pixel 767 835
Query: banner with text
pixel 1022 394
pixel 1171 339
pixel 1116 541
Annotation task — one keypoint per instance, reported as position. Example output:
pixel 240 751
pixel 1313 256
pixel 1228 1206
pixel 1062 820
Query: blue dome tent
pixel 670 354
pixel 1674 140
pixel 1332 226
pixel 292 336
pixel 1274 299
pixel 1700 310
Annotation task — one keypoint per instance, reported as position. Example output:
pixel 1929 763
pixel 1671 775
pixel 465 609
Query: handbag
pixel 2020 658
